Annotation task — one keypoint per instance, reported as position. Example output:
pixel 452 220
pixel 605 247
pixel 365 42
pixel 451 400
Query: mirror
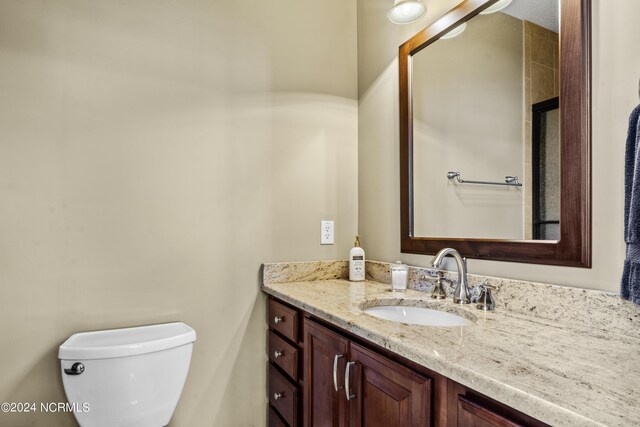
pixel 472 115
pixel 494 144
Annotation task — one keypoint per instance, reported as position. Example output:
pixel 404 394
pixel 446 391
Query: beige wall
pixel 457 78
pixel 615 81
pixel 152 155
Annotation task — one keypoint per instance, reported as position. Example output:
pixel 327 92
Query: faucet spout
pixel 461 292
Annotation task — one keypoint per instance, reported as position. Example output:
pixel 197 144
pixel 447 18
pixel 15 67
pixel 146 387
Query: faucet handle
pixel 485 300
pixel 438 291
pixel 486 285
pixel 430 272
pixel 440 275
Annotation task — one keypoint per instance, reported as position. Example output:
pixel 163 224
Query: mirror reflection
pixel 486 126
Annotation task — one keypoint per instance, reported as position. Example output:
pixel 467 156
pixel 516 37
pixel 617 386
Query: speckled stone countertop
pixel 561 372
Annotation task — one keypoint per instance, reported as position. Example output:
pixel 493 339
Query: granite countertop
pixel 560 373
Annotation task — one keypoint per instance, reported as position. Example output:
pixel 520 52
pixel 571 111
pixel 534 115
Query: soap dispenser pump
pixel 356 262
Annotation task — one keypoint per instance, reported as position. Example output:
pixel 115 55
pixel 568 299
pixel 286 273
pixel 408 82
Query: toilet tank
pixel 126 377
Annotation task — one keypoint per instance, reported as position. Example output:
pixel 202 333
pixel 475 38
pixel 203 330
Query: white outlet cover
pixel 326 232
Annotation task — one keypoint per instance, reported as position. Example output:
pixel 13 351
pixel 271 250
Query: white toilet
pixel 130 377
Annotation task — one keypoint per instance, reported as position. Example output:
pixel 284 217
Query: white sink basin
pixel 417 315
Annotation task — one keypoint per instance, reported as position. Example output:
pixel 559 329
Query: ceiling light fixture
pixel 407 11
pixel 496 7
pixel 455 32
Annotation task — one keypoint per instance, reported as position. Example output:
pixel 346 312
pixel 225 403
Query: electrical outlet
pixel 326 232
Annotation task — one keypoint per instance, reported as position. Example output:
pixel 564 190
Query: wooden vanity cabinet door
pixel 323 406
pixel 386 393
pixel 470 409
pixel 471 414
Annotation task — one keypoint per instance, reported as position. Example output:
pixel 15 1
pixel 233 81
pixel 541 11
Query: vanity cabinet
pixel 350 385
pixel 335 379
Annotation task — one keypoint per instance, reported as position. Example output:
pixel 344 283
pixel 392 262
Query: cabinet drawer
pixel 284 320
pixel 274 419
pixel 283 396
pixel 284 355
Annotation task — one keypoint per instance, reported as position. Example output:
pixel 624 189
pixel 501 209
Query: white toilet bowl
pixel 130 377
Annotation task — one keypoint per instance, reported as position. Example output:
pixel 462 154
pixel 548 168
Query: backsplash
pixel 285 272
pixel 589 308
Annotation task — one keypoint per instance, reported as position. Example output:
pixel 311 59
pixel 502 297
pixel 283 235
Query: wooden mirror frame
pixel 574 247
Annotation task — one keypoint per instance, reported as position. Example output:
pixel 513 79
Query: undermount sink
pixel 417 315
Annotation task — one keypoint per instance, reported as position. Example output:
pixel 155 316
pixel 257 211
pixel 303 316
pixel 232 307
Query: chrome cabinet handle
pixel 277 354
pixel 485 300
pixel 76 369
pixel 335 370
pixel 278 396
pixel 278 319
pixel 347 387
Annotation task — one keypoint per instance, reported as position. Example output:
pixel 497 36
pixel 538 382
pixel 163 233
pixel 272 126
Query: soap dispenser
pixel 356 262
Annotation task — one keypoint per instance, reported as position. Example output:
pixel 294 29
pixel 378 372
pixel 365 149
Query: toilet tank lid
pixel 126 341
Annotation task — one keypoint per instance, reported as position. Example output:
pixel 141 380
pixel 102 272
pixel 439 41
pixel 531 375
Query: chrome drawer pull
pixel 278 396
pixel 277 354
pixel 347 390
pixel 278 319
pixel 335 371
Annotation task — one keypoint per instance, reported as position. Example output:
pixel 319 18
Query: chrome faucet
pixel 461 292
